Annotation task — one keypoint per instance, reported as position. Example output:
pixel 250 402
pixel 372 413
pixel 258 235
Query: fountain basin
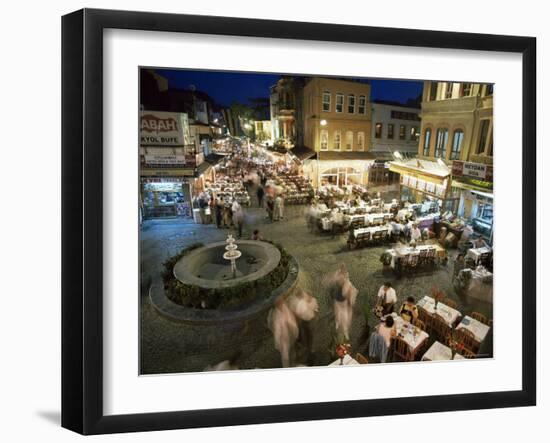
pixel 206 267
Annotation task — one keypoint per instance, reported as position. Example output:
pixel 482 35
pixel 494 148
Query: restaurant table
pixel 347 361
pixel 406 329
pixel 440 252
pixel 480 330
pixel 438 351
pixel 426 221
pixel 475 253
pixel 377 218
pixel 372 229
pixel 450 315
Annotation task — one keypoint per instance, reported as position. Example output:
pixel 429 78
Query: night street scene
pixel 293 221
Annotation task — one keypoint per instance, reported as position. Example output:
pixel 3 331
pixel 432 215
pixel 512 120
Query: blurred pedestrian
pixel 305 307
pixel 284 326
pixel 260 195
pixel 238 220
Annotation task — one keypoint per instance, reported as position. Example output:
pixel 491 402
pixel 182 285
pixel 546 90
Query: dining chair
pixel 480 317
pixel 440 329
pixel 425 317
pixel 468 339
pixel 400 350
pixel 419 323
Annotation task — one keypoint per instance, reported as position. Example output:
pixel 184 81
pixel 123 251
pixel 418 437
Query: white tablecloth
pixel 450 315
pixel 479 329
pixel 404 251
pixel 438 351
pixel 407 331
pixel 475 253
pixel 372 230
pixel 347 361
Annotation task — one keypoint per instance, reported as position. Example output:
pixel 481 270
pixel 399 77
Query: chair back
pixel 413 260
pixel 400 350
pixel 468 339
pixel 361 359
pixel 425 317
pixel 480 317
pixel 440 328
pixel 420 324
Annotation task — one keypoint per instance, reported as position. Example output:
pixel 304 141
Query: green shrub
pixel 222 298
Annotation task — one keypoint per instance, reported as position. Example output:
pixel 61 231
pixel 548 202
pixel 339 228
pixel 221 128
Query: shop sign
pixel 165 159
pixel 163 128
pixel 473 170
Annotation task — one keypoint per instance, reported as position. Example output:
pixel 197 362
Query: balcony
pixel 463 104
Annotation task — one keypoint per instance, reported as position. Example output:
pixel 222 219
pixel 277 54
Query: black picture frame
pixel 82 215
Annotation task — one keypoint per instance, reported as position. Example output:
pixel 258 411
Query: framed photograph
pixel 261 218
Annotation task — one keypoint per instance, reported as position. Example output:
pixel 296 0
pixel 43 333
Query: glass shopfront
pixel 165 197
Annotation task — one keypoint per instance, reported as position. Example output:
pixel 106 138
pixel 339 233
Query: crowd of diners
pixel 270 185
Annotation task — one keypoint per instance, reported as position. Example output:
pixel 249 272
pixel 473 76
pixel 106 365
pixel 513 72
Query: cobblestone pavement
pixel 168 346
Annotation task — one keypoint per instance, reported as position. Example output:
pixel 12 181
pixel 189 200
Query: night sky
pixel 227 87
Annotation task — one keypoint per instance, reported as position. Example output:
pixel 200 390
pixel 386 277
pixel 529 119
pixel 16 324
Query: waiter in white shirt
pixel 386 298
pixel 416 234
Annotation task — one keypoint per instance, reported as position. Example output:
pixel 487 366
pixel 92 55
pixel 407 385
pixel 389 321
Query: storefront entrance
pixel 341 177
pixel 165 197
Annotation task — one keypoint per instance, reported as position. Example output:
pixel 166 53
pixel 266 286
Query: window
pixel 483 132
pixel 362 104
pixel 414 133
pixel 427 139
pixel 433 91
pixel 488 90
pixel 326 101
pixel 390 130
pixel 441 142
pixel 490 146
pixel 378 130
pixel 351 104
pixel 402 132
pixel 448 90
pixel 337 140
pixel 349 140
pixel 339 102
pixel 324 140
pixel 361 141
pixel 465 89
pixel 458 137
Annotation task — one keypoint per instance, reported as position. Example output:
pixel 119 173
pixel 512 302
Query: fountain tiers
pixel 206 268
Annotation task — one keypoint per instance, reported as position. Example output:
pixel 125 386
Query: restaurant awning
pixel 303 152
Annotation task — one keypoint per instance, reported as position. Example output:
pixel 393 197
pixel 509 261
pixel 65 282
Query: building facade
pixel 285 106
pixel 456 133
pixel 395 128
pixel 263 130
pixel 457 122
pixel 337 126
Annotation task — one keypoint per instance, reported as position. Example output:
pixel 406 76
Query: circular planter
pixel 244 312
